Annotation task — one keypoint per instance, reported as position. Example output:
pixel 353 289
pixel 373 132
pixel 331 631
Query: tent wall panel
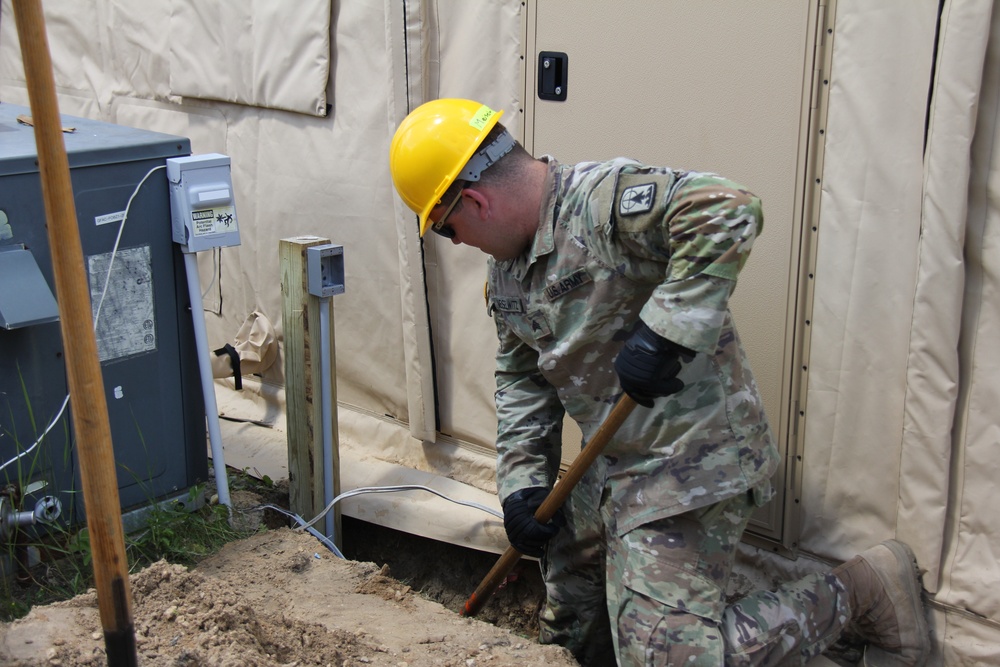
pixel 871 201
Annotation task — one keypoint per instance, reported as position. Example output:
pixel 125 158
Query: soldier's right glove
pixel 648 365
pixel 524 532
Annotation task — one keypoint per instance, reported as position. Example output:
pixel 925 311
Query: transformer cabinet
pixel 144 329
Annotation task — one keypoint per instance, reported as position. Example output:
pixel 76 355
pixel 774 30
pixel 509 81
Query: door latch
pixel 553 69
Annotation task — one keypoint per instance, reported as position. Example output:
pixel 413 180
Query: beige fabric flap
pixel 932 376
pixel 72 28
pixel 970 578
pixel 405 32
pixel 266 53
pixel 871 202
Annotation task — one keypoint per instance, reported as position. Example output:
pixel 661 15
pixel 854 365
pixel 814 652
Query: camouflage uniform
pixel 618 241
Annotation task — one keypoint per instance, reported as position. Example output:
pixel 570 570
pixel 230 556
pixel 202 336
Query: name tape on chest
pixel 508 304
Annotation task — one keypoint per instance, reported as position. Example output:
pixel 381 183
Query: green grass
pixel 179 536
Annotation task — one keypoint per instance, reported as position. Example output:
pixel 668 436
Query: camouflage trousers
pixel 657 594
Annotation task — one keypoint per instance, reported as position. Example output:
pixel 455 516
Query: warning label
pixel 213 221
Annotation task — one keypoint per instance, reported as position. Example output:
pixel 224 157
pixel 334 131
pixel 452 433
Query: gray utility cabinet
pixel 145 334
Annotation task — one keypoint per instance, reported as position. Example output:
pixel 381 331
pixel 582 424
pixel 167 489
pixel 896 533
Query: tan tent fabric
pixel 969 642
pixel 264 53
pixel 255 344
pixel 933 375
pixel 970 578
pixel 141 42
pixel 905 444
pixel 74 26
pixel 488 36
pixel 410 74
pixel 865 273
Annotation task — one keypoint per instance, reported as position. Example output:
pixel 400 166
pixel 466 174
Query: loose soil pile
pixel 280 598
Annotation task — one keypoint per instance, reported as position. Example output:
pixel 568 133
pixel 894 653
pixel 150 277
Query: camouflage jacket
pixel 620 241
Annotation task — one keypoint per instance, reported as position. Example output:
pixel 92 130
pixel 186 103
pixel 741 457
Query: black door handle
pixel 553 69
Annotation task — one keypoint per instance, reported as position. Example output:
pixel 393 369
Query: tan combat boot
pixel 886 606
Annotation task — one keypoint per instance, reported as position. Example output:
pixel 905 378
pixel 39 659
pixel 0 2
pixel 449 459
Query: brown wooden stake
pixel 553 501
pixel 83 369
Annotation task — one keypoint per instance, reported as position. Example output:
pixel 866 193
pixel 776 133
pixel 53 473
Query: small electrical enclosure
pixel 203 211
pixel 325 268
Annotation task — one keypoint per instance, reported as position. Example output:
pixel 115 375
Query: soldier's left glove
pixel 648 365
pixel 525 533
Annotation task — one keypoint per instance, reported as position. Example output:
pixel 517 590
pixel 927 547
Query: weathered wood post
pixel 303 371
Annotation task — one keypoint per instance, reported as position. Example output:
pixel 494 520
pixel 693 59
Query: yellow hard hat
pixel 431 147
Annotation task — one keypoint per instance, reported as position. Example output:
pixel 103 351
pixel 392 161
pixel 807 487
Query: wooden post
pixel 303 373
pixel 83 368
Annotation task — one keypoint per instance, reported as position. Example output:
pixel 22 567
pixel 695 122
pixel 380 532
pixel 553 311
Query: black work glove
pixel 525 533
pixel 648 365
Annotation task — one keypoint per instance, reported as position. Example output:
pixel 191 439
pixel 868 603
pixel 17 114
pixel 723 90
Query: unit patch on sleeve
pixel 637 199
pixel 639 203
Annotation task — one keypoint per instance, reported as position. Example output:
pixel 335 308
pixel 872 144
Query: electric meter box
pixel 145 332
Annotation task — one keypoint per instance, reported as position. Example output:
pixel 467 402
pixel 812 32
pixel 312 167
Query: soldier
pixel 615 276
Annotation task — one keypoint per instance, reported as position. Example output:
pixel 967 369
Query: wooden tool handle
pixel 557 496
pixel 83 369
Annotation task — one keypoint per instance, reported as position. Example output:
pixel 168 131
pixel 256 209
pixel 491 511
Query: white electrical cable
pixel 216 253
pixel 114 251
pixel 390 489
pixel 44 433
pixel 97 315
pixel 312 531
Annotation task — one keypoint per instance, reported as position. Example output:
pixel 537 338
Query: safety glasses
pixel 440 227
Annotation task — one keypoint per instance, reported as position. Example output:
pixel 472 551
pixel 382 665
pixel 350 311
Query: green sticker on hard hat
pixel 481 117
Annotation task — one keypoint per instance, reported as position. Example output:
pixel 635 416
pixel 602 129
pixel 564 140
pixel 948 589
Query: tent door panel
pixel 719 86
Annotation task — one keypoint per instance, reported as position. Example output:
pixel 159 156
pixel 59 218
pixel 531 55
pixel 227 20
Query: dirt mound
pixel 276 598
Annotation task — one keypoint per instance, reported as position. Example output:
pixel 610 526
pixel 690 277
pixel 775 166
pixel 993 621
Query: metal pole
pixel 207 379
pixel 326 397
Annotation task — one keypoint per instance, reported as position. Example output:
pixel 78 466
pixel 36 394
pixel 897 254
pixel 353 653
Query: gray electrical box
pixel 145 334
pixel 325 269
pixel 202 202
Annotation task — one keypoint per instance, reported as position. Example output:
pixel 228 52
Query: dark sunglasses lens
pixel 444 230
